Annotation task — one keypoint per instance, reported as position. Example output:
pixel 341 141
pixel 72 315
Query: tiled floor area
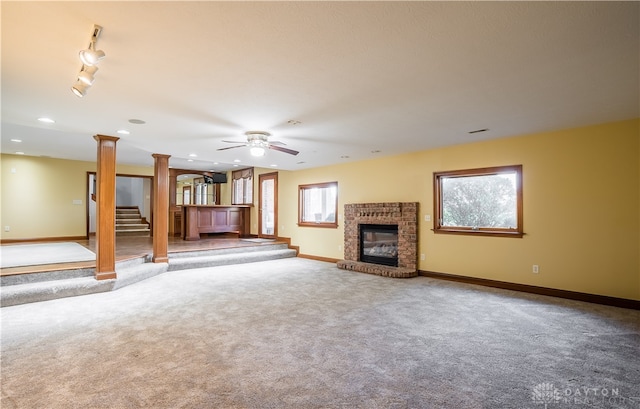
pixel 132 246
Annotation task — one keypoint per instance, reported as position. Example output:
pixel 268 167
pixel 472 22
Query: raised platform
pixel 377 269
pixel 49 285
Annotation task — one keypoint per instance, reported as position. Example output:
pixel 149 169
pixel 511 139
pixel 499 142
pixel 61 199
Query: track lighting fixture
pixel 89 58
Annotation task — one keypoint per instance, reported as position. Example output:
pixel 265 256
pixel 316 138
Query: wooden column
pixel 160 208
pixel 106 208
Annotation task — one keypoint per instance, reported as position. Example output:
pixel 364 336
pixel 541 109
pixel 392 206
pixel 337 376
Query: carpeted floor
pixel 16 255
pixel 298 333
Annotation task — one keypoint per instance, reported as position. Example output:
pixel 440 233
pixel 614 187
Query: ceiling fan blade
pixel 276 143
pixel 234 142
pixel 285 150
pixel 231 147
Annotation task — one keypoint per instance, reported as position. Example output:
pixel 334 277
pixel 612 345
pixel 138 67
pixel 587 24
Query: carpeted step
pixel 18 279
pixel 228 250
pixel 135 215
pixel 132 226
pixel 136 271
pixel 27 288
pixel 132 220
pixel 221 259
pixel 51 290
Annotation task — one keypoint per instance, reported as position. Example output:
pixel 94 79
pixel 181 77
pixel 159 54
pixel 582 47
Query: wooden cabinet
pixel 198 219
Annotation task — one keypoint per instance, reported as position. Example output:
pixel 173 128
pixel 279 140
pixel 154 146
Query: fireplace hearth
pixel 395 226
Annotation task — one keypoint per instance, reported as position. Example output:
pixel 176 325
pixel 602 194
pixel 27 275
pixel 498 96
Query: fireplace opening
pixel 379 244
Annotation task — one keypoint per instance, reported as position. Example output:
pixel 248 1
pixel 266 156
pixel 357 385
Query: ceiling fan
pixel 258 142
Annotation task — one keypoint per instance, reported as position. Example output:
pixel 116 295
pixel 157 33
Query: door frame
pixel 90 195
pixel 261 178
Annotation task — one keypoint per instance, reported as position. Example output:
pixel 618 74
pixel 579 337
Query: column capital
pixel 105 138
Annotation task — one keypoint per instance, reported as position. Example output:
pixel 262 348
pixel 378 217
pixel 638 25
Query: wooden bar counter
pixel 197 219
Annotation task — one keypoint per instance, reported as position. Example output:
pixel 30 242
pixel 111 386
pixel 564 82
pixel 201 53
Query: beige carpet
pixel 19 255
pixel 298 333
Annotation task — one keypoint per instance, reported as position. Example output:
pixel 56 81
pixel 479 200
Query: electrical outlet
pixel 339 247
pixel 7 228
pixel 536 269
pixel 422 256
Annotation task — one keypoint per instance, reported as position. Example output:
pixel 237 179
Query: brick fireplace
pixel 402 214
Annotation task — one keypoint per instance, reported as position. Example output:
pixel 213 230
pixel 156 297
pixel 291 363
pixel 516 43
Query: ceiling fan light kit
pixel 258 143
pixel 89 58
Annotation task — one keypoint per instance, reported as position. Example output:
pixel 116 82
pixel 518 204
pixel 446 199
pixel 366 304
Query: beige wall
pixel 581 208
pixel 38 196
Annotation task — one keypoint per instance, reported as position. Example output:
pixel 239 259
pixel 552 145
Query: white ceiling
pixel 365 79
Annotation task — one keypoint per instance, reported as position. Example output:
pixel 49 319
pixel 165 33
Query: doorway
pixel 268 206
pixel 131 190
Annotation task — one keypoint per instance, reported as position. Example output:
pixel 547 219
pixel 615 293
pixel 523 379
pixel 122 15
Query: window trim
pixel 301 189
pixel 517 232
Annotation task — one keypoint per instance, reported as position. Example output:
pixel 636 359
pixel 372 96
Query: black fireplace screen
pixel 379 244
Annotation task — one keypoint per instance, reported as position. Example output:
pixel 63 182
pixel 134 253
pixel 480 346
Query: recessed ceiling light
pixel 137 121
pixel 193 155
pixel 19 153
pixel 123 132
pixel 46 120
pixel 235 166
pixel 189 160
pixel 274 166
pixel 237 160
pixel 16 140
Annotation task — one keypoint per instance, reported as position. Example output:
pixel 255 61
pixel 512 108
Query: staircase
pixel 129 222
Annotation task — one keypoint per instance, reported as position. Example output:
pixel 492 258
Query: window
pixel 242 187
pixel 318 205
pixel 485 201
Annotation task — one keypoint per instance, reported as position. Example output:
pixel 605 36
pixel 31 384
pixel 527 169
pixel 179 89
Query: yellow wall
pixel 38 196
pixel 581 208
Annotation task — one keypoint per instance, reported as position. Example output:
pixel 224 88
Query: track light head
pixel 87 73
pixel 90 56
pixel 80 88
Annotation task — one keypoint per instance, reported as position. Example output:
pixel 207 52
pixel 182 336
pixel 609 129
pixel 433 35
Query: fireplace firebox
pixel 379 244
